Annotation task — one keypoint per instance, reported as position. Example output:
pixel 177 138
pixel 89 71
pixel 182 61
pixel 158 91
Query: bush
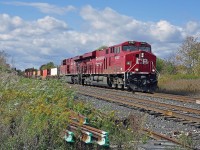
pixel 33 112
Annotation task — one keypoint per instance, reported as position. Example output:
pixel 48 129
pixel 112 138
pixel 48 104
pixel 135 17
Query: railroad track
pixel 90 134
pixel 172 97
pixel 170 106
pixel 181 113
pixel 168 110
pixel 158 136
pixel 185 99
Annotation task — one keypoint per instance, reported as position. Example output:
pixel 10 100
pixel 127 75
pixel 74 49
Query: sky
pixel 33 33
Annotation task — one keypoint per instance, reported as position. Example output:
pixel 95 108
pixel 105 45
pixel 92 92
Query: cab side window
pixel 107 51
pixel 117 50
pixel 112 50
pixel 64 62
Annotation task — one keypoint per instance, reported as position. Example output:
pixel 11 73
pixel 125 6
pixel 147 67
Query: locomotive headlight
pixel 153 70
pixel 142 55
pixel 136 69
pixel 128 62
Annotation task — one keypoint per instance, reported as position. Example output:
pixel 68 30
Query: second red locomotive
pixel 130 65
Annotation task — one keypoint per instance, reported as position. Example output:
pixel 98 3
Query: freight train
pixel 129 65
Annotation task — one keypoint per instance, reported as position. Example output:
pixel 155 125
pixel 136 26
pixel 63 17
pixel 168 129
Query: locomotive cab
pixel 140 67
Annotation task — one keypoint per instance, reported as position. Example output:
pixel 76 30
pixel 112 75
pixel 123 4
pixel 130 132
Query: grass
pixel 33 114
pixel 180 84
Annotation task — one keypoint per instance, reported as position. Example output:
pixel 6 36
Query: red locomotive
pixel 130 65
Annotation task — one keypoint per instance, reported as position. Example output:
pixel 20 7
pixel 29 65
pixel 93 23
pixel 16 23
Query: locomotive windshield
pixel 145 48
pixel 130 48
pixel 135 48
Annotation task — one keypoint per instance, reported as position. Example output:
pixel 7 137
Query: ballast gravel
pixel 156 123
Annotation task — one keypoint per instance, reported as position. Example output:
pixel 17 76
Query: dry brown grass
pixel 190 87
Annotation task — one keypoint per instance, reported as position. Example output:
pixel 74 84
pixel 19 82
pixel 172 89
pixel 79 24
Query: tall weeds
pixel 34 113
pixel 180 84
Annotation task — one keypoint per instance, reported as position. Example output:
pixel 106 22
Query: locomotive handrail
pixel 131 67
pixel 128 70
pixel 155 69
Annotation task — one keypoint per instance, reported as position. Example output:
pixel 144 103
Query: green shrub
pixel 33 110
pixel 34 113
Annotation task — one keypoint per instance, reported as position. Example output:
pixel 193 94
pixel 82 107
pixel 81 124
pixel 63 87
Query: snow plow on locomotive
pixel 130 65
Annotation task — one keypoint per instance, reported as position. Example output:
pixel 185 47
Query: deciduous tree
pixel 3 62
pixel 48 66
pixel 159 64
pixel 189 55
pixel 102 47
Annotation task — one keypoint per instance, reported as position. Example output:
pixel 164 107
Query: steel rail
pixel 162 95
pixel 158 136
pixel 165 112
pixel 85 136
pixel 77 116
pixel 176 107
pixel 171 97
pixel 99 134
pixel 88 128
pixel 88 134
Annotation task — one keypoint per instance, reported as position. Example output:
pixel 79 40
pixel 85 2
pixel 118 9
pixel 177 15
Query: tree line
pixel 185 61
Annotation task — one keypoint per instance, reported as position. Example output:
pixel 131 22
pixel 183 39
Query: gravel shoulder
pixel 155 123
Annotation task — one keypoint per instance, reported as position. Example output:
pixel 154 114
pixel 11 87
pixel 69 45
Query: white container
pixel 54 71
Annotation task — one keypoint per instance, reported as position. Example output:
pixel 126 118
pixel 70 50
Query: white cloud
pixel 5 37
pixel 164 31
pixel 50 23
pixel 33 43
pixel 193 28
pixel 45 7
pixel 118 24
pixel 8 23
